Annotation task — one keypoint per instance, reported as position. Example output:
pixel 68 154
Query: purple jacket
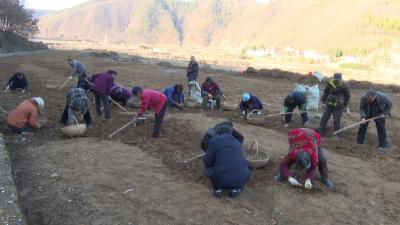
pixel 120 94
pixel 102 83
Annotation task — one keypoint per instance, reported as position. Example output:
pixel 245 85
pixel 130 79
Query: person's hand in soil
pixel 294 182
pixel 308 184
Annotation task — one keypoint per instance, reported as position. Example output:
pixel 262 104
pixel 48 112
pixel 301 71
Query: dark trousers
pixel 336 113
pixel 217 99
pixel 14 86
pixel 380 127
pixel 159 119
pixel 322 165
pixel 288 117
pixel 64 117
pixel 25 129
pixel 99 98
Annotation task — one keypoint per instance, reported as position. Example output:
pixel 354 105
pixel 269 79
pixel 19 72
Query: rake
pixel 178 157
pixel 354 125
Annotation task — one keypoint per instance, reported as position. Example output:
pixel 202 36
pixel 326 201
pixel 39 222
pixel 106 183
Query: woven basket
pixel 74 130
pixel 134 102
pixel 256 119
pixel 256 159
pixel 228 106
pixel 191 104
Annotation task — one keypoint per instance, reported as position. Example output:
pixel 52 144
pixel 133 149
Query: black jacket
pixel 299 100
pixel 384 104
pixel 337 97
pixel 192 71
pixel 212 133
pixel 15 82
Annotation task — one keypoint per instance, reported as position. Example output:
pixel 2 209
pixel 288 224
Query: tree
pixel 15 18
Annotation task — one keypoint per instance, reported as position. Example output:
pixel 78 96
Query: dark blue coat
pixel 14 82
pixel 173 98
pixel 253 103
pixel 299 100
pixel 225 163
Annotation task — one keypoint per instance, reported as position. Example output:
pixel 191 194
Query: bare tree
pixel 15 18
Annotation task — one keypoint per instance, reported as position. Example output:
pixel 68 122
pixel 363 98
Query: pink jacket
pixel 151 99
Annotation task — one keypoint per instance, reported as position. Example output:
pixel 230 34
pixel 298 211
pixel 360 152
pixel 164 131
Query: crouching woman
pixel 225 165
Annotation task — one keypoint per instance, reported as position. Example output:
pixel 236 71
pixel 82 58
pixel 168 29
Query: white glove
pixel 383 115
pixel 363 121
pixel 23 91
pixel 8 87
pixel 348 111
pixel 243 112
pixel 294 182
pixel 70 77
pixel 308 184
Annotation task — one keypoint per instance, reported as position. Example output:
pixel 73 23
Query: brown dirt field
pixel 134 180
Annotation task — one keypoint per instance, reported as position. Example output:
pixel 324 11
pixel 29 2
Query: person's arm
pixel 238 136
pixel 74 68
pixel 284 167
pixel 363 103
pixel 241 105
pixel 219 90
pixel 145 100
pixel 33 119
pixel 311 172
pixel 347 96
pixel 325 94
pixel 209 157
pixel 110 84
pixel 203 90
pixel 24 84
pixel 171 98
pixel 388 105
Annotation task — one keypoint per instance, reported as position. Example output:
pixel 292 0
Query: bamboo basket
pixel 76 130
pixel 191 104
pixel 229 106
pixel 134 102
pixel 255 158
pixel 255 119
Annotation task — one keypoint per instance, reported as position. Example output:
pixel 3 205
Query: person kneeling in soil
pixel 24 118
pixel 293 100
pixel 120 94
pixel 18 80
pixel 154 100
pixel 305 150
pixel 76 101
pixel 225 164
pixel 102 84
pixel 175 96
pixel 249 103
pixel 211 132
pixel 211 91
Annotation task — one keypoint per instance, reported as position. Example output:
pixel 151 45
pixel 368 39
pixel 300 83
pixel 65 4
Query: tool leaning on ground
pixel 134 122
pixel 65 83
pixel 354 125
pixel 3 111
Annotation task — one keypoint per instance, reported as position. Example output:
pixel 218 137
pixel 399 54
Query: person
pixel 211 132
pixel 76 101
pixel 211 91
pixel 336 97
pixel 225 164
pixel 295 99
pixel 24 119
pixel 249 103
pixel 374 103
pixel 175 96
pixel 192 73
pixel 79 69
pixel 154 100
pixel 18 81
pixel 305 151
pixel 120 94
pixel 102 84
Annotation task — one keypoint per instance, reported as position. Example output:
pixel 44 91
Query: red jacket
pixel 151 99
pixel 301 140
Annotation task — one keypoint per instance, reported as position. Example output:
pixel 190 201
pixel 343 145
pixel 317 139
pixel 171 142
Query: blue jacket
pixel 173 98
pixel 253 103
pixel 15 82
pixel 225 163
pixel 299 101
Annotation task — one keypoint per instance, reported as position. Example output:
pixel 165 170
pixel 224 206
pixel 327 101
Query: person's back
pixel 25 114
pixel 152 99
pixel 225 161
pixel 103 83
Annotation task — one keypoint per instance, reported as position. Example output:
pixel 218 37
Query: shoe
pixel 154 135
pixel 383 149
pixel 286 125
pixel 279 178
pixel 217 193
pixel 328 183
pixel 235 192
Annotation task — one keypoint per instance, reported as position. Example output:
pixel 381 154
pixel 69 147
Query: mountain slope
pixel 314 24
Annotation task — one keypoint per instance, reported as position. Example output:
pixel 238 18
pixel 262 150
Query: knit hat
pixel 136 90
pixel 39 101
pixel 246 97
pixel 303 160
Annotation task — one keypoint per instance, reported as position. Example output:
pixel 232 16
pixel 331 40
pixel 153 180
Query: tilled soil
pixel 84 180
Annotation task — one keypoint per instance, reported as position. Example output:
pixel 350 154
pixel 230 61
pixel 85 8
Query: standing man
pixel 374 104
pixel 79 69
pixel 18 80
pixel 211 91
pixel 175 96
pixel 24 118
pixel 293 100
pixel 224 163
pixel 102 84
pixel 305 151
pixel 192 73
pixel 154 100
pixel 249 103
pixel 76 101
pixel 336 97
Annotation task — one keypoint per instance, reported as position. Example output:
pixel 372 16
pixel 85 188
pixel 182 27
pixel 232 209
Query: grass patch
pixel 356 66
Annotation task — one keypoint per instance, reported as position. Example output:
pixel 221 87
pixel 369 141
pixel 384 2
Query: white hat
pixel 39 101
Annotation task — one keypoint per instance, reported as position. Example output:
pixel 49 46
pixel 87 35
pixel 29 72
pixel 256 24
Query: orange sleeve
pixel 33 119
